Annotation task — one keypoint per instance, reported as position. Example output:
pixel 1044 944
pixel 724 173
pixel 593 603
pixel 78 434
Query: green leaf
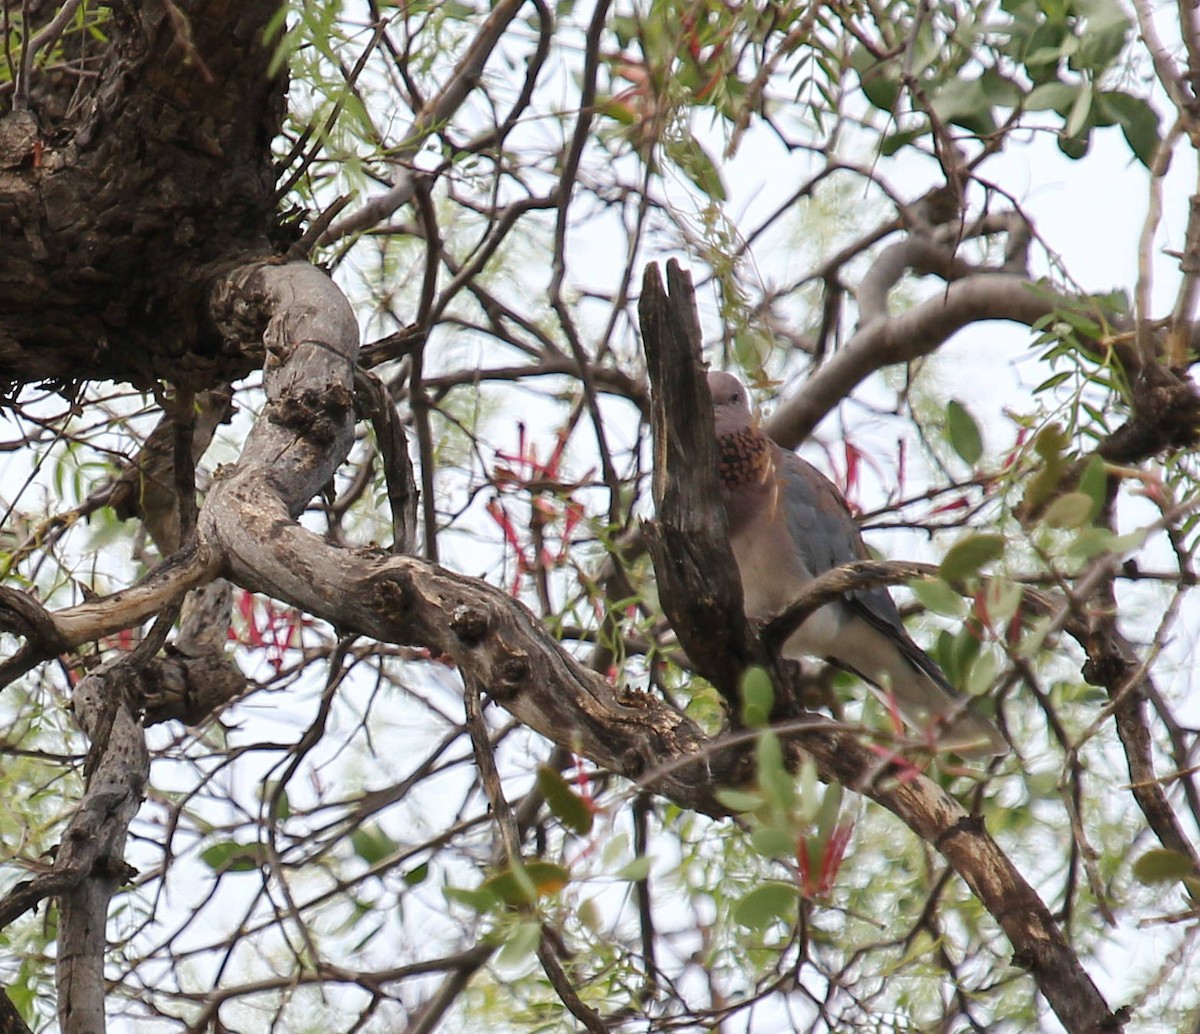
pixel 774 779
pixel 1049 445
pixel 1050 442
pixel 475 898
pixel 1077 120
pixel 281 808
pixel 520 945
pixel 1093 482
pixel 808 803
pixel 372 844
pixel 918 947
pixel 569 808
pixel 982 673
pixel 1033 640
pixel 1052 96
pixel 774 842
pixel 963 432
pixel 1138 121
pixel 830 811
pixel 1162 865
pixel 1090 542
pixel 1128 542
pixel 1103 37
pixel 636 870
pixel 936 596
pixel 1075 147
pixel 233 856
pixel 695 163
pixel 1072 510
pixel 521 884
pixel 770 903
pixel 740 800
pixel 415 877
pixel 1001 597
pixel 880 81
pixel 969 554
pixel 964 102
pixel 758 697
pixel 893 142
pixel 1053 381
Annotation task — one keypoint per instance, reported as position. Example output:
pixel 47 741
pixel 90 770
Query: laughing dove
pixel 787 524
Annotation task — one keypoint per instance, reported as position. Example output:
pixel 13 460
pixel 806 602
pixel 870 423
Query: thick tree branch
pixel 107 705
pixel 907 336
pixel 491 638
pixel 690 538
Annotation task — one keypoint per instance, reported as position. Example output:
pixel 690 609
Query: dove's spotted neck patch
pixel 745 450
pixel 745 458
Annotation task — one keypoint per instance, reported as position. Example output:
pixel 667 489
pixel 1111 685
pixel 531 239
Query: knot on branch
pixel 188 688
pixel 318 414
pixel 470 624
pixel 1107 668
pixel 511 675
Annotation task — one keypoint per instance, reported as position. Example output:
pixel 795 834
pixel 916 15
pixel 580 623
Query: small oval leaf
pixel 1093 482
pixel 1072 510
pixel 772 842
pixel 938 597
pixel 772 902
pixel 372 844
pixel 969 554
pixel 636 870
pixel 232 856
pixel 758 698
pixel 569 808
pixel 1162 865
pixel 519 886
pixel 963 432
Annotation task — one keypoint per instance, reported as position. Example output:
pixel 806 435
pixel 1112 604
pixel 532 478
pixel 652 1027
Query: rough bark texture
pixel 248 517
pixel 115 206
pixel 690 538
pixel 93 847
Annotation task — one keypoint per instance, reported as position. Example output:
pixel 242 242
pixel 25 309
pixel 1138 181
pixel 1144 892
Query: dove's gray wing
pixel 864 632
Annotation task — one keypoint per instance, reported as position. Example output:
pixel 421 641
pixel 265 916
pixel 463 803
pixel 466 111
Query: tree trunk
pixel 120 200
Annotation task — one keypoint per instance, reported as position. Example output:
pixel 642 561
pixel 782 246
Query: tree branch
pixel 907 336
pixel 106 704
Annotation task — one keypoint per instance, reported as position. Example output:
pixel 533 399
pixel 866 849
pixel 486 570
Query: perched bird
pixel 787 524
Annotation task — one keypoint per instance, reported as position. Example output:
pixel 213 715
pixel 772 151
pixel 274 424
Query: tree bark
pixel 92 850
pixel 117 203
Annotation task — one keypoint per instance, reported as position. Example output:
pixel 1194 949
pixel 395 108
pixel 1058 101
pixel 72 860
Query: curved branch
pixel 248 519
pixel 897 339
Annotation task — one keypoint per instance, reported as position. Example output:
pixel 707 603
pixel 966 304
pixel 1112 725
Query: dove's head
pixel 731 403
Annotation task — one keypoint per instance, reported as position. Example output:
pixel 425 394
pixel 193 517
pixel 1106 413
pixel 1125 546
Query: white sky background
pixel 1091 211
